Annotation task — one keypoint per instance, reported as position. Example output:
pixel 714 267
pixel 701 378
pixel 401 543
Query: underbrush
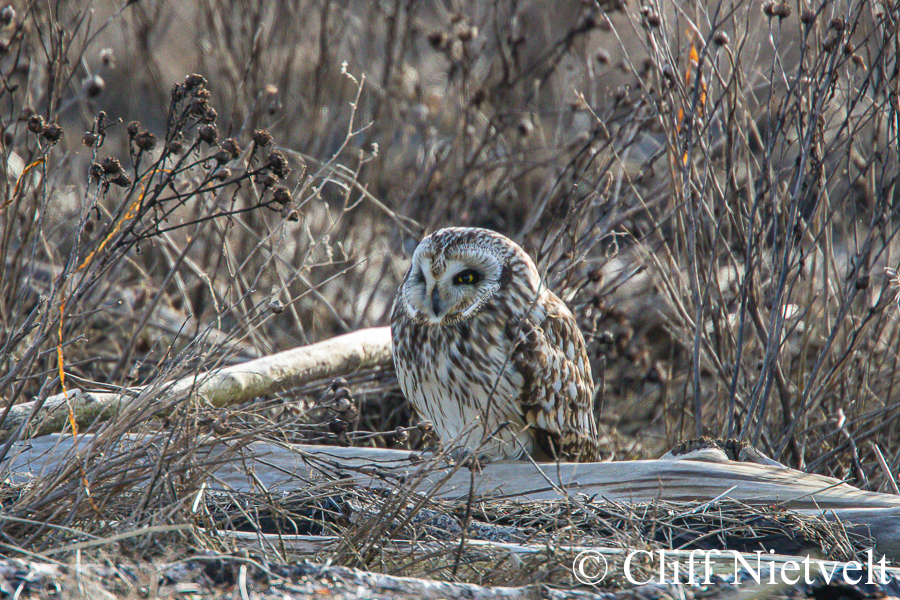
pixel 712 188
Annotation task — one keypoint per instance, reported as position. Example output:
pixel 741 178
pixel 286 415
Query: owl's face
pixel 455 272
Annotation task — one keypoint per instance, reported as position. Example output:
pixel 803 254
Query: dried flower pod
pixel 133 128
pixel 721 38
pixel 279 164
pixel 266 179
pixel 35 123
pixel 290 214
pixel 52 133
pixel 222 173
pixel 93 86
pixel 111 165
pixel 145 140
pixel 276 306
pixel 281 195
pixel 807 16
pixel 231 146
pixel 194 81
pixel 208 133
pixel 209 115
pixel 7 14
pixel 121 180
pixel 782 10
pixel 90 139
pixel 221 157
pixel 262 137
pixel 96 171
pixel 107 57
pixel 175 146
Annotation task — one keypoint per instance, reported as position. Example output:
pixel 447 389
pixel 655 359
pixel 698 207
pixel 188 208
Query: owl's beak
pixel 437 305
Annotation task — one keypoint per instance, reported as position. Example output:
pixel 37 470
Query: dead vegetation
pixel 711 186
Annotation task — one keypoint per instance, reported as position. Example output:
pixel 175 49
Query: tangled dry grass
pixel 711 186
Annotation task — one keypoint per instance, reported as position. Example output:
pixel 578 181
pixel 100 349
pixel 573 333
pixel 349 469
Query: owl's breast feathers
pixel 556 397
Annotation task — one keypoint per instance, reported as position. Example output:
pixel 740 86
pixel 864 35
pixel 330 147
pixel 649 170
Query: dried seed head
pixel 52 133
pixel 175 146
pixel 653 19
pixel 276 306
pixel 194 81
pixel 231 147
pixel 836 23
pixel 262 137
pixel 133 128
pixel 145 140
pixel 467 33
pixel 222 173
pixel 96 171
pixel 437 39
pixel 279 164
pixel 266 179
pixel 7 15
pixel 208 133
pixel 721 38
pixel 90 139
pixel 121 180
pixel 209 115
pixel 107 57
pixel 525 127
pixel 807 16
pixel 290 214
pixel 281 195
pixel 35 123
pixel 111 166
pixel 93 86
pixel 782 10
pixel 221 157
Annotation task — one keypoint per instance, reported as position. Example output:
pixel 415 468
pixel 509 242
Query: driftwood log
pixel 363 349
pixel 287 467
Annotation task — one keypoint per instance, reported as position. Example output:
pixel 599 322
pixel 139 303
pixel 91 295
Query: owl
pixel 488 354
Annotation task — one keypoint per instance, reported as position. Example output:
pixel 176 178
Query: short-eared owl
pixel 488 354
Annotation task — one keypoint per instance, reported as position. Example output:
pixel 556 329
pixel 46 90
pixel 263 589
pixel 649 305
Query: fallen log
pixel 286 467
pixel 342 355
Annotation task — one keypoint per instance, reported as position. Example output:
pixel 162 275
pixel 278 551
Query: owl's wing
pixel 557 393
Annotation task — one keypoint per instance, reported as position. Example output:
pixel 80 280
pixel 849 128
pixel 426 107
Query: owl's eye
pixel 467 277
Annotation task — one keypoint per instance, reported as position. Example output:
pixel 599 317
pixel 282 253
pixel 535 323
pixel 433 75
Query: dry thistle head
pixel 281 195
pixel 7 15
pixel 175 145
pixel 145 140
pixel 194 81
pixel 231 146
pixel 93 86
pixel 35 123
pixel 262 138
pixel 52 133
pixel 208 133
pixel 107 57
pixel 279 164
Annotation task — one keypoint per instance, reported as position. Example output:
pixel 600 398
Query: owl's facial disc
pixel 452 286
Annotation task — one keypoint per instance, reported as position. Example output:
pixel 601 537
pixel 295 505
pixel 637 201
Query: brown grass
pixel 711 186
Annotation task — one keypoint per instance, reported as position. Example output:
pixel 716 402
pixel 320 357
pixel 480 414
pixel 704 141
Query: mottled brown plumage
pixel 488 354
